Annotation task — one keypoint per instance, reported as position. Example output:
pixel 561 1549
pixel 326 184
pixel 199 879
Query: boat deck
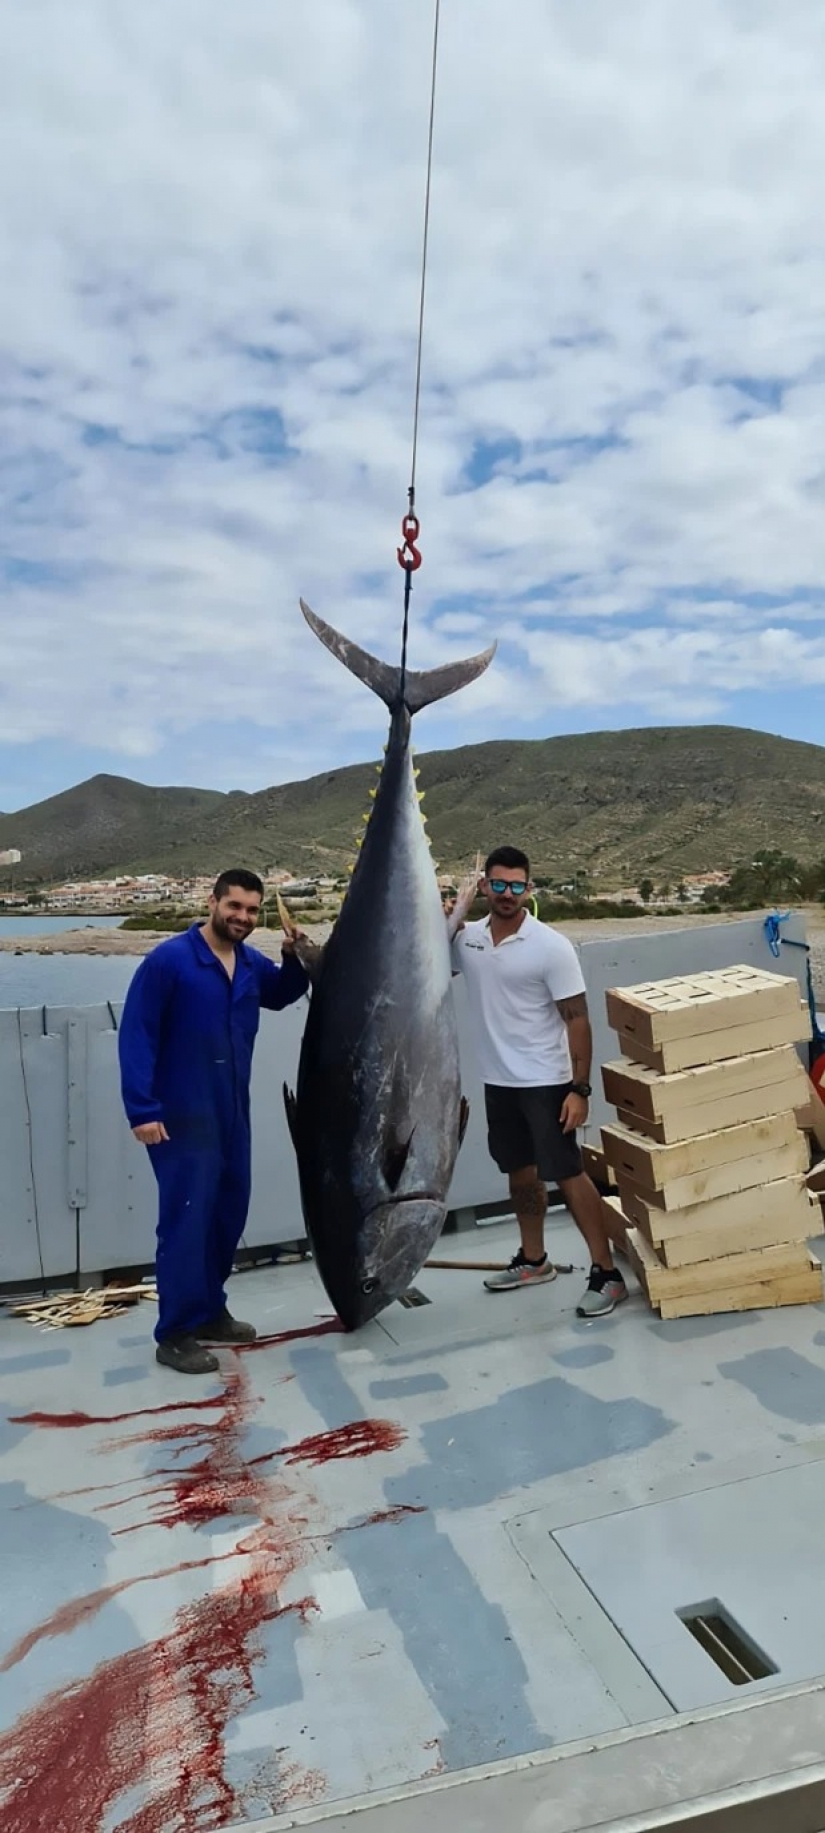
pixel 348 1563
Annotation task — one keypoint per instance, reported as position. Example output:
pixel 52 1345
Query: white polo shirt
pixel 520 1036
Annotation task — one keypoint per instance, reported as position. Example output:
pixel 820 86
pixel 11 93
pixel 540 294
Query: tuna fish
pixel 378 1115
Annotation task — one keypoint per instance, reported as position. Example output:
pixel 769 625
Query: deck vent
pixel 412 1298
pixel 727 1644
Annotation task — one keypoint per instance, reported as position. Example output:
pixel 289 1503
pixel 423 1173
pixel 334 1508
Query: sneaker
pixel 604 1292
pixel 521 1272
pixel 225 1329
pixel 185 1354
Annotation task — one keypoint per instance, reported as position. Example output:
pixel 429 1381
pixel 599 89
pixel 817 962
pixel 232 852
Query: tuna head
pixel 387 1255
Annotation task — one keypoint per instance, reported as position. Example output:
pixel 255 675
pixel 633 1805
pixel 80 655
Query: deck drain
pixel 727 1644
pixel 413 1297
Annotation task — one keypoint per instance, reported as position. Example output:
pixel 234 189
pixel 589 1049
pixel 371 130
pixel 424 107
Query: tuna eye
pixel 368 1285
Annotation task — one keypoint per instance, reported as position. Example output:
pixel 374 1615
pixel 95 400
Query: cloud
pixel 210 227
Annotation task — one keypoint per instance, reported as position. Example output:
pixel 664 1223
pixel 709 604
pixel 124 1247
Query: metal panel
pixel 117 1226
pixel 62 1066
pixel 19 1220
pixel 647 1566
pixel 77 1141
pixel 275 1210
pixel 45 1067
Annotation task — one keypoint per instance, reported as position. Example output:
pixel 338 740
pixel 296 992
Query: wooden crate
pixel 739 1282
pixel 691 1005
pixel 696 1101
pixel 673 1170
pixel 596 1166
pixel 810 1114
pixel 719 1046
pixel 780 1213
pixel 769 1201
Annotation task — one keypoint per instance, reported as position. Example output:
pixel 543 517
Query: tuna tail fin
pixel 421 686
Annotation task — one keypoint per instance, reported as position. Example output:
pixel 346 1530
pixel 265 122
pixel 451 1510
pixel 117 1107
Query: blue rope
pixel 772 931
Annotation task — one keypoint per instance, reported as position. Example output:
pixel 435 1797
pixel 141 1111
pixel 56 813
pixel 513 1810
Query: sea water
pixel 61 980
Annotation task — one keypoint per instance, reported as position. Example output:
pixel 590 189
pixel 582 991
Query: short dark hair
pixel 509 856
pixel 246 881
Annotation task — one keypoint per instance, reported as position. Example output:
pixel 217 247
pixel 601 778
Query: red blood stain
pixel 219 1483
pixel 81 1610
pixel 151 1724
pixel 72 1420
pixel 361 1438
pixel 151 1721
pixel 327 1327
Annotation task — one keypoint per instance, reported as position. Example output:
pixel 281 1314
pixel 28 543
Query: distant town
pixel 123 896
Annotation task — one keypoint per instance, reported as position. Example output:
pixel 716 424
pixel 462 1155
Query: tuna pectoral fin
pixel 421 688
pixel 463 1117
pixel 291 1106
pixel 394 1159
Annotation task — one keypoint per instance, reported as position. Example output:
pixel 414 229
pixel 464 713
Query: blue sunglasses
pixel 518 886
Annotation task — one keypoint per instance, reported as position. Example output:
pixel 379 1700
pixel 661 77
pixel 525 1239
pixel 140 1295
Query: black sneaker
pixel 226 1329
pixel 185 1354
pixel 605 1290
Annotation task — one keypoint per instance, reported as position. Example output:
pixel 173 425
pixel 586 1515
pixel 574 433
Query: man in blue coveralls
pixel 186 1040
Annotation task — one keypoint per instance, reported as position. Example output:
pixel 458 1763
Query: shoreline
pixel 102 941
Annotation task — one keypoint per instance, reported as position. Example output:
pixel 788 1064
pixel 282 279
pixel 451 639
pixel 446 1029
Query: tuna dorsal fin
pixel 421 687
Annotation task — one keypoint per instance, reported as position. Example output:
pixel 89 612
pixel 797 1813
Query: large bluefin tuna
pixel 378 1116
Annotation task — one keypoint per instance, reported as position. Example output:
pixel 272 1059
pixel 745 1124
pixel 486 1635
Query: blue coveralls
pixel 185 1043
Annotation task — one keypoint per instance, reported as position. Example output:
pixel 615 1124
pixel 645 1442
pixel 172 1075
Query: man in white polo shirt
pixel 528 1014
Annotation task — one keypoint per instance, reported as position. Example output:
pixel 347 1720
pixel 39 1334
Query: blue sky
pixel 209 242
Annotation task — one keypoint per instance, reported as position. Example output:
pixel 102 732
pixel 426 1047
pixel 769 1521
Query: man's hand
pixel 151 1133
pixel 573 1113
pixel 457 908
pixel 306 951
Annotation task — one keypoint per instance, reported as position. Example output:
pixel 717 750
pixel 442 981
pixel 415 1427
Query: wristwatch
pixel 581 1088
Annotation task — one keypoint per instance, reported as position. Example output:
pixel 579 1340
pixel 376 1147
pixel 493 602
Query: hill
pixel 658 800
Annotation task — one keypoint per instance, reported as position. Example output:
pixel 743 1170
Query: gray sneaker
pixel 521 1272
pixel 604 1292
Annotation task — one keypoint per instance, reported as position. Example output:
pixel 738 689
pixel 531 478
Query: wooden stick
pixel 481 1266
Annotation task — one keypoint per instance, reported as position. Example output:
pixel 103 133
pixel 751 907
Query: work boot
pixel 225 1329
pixel 186 1355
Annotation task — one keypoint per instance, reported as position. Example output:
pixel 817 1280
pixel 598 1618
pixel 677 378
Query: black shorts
pixel 524 1128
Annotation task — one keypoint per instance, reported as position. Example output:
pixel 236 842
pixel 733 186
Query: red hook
pixel 408 555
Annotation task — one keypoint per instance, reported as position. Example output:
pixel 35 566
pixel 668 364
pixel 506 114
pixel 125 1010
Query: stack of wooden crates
pixel 706 1154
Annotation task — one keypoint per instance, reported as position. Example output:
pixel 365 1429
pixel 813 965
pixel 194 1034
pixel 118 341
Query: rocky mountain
pixel 616 805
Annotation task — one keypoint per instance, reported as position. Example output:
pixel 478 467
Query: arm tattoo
pixel 573 1008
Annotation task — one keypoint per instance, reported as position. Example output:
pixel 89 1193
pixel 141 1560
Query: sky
pixel 210 248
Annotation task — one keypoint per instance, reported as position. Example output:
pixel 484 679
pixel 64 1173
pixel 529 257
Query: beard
pixel 230 929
